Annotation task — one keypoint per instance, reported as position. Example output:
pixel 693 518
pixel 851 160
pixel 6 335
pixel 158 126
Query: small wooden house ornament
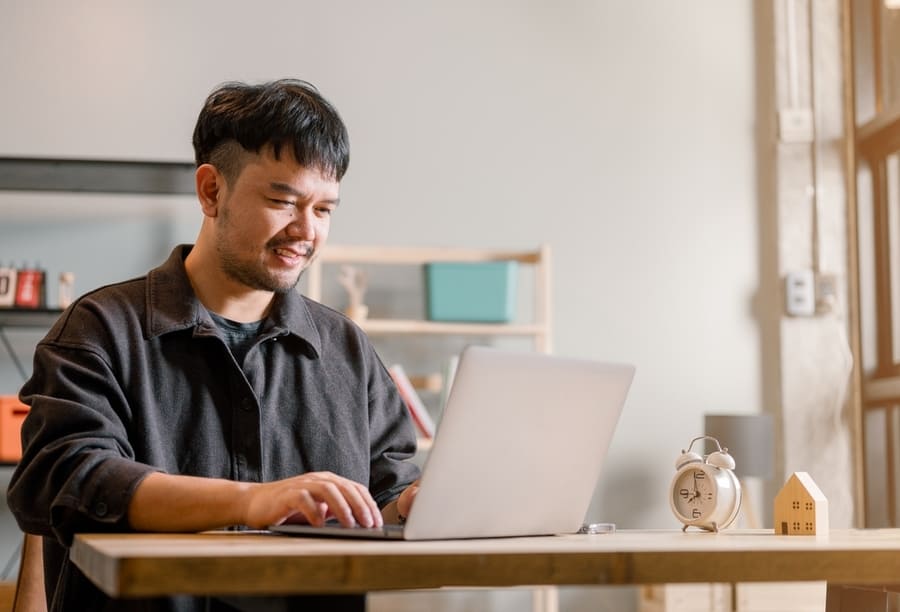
pixel 801 507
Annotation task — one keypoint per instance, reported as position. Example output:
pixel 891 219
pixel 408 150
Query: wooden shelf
pixel 418 255
pixel 415 326
pixel 29 317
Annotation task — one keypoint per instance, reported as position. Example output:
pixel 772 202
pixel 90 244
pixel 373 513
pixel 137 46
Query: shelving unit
pixel 539 329
pixel 83 176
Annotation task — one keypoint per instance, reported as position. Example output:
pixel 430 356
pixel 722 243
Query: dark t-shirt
pixel 238 336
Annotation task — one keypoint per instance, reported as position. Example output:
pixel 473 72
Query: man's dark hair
pixel 287 112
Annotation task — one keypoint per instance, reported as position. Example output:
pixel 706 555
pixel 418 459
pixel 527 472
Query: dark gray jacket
pixel 133 378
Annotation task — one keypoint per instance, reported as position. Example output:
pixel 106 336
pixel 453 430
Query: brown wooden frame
pixel 875 141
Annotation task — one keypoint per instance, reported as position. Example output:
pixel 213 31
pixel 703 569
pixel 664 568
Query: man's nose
pixel 303 227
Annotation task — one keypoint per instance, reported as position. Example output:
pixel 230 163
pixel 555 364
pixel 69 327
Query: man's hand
pixel 311 498
pixel 167 502
pixel 406 499
pixel 398 509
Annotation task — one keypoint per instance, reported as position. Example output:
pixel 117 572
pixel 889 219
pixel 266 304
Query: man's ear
pixel 210 186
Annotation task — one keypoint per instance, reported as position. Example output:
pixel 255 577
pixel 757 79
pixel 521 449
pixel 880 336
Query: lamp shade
pixel 749 439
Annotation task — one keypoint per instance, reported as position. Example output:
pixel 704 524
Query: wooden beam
pixel 880 137
pixel 881 242
pixel 854 324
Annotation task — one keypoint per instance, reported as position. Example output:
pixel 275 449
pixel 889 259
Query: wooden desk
pixel 135 565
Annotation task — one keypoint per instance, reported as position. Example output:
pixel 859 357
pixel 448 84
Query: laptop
pixel 518 452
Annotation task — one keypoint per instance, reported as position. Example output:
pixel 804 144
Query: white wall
pixel 621 132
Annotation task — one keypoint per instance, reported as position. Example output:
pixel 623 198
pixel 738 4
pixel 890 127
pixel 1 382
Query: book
pixel 7 287
pixel 30 288
pixel 417 410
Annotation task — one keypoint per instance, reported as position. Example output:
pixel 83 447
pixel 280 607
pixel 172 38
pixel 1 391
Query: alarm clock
pixel 705 492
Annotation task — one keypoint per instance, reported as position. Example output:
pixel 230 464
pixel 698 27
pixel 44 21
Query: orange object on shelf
pixel 12 413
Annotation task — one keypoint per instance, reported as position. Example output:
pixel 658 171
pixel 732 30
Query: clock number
pixel 684 493
pixel 700 474
pixel 696 513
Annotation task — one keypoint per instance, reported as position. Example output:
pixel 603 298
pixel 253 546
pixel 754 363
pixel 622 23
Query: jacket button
pixel 100 509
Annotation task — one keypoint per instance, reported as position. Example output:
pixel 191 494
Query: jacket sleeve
pixel 77 471
pixel 393 439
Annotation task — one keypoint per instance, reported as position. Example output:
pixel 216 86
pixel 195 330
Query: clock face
pixel 693 494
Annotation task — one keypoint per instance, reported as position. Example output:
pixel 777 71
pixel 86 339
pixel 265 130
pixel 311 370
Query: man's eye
pixel 281 202
pixel 325 211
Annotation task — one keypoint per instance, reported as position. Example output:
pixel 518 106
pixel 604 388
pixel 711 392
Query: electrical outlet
pixel 800 293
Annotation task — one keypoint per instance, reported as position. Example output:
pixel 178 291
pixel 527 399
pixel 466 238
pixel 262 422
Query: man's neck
pixel 223 295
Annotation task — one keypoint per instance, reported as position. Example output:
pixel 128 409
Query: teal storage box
pixel 480 292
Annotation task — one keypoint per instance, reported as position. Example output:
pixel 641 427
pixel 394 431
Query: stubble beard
pixel 255 274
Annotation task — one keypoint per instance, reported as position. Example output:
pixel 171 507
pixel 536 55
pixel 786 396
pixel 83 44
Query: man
pixel 209 393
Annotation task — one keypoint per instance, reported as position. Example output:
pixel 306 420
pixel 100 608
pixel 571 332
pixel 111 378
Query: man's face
pixel 272 220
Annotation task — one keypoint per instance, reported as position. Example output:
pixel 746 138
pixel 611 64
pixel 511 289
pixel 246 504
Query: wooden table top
pixel 255 563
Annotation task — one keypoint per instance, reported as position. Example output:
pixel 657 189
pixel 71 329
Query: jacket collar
pixel 172 305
